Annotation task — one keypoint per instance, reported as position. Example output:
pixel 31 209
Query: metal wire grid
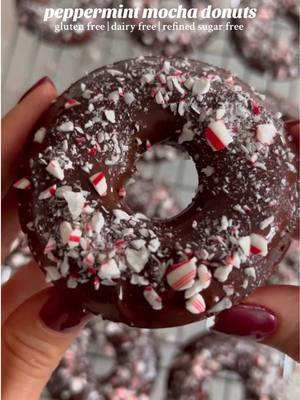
pixel 26 58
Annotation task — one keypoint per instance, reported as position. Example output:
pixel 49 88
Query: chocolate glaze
pixel 206 356
pixel 31 14
pixel 166 42
pixel 259 44
pixel 134 372
pixel 240 188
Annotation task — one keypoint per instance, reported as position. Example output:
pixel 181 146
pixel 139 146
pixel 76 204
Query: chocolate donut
pixel 158 273
pixel 152 199
pixel 206 356
pixel 259 45
pixel 169 42
pixel 133 374
pixel 31 15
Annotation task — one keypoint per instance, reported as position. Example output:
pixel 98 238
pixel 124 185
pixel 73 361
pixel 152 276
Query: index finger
pixel 17 126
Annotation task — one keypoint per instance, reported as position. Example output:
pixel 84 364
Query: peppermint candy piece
pixel 55 170
pixel 49 192
pixel 66 127
pixel 71 103
pixel 181 276
pixel 110 116
pixel 265 133
pixel 97 222
pixel 65 230
pixel 196 304
pixel 204 276
pixel 259 245
pixel 109 270
pixel 75 201
pixel 217 135
pixel 52 274
pixel 74 238
pixel 200 87
pixel 39 135
pixel 99 182
pixel 153 298
pixel 22 184
pixel 89 260
pixel 245 243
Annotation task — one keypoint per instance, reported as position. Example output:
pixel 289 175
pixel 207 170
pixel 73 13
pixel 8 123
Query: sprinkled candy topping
pixel 22 184
pixel 181 276
pixel 196 304
pixel 259 245
pixel 99 182
pixel 217 135
pixel 265 133
pixel 55 170
pixel 153 298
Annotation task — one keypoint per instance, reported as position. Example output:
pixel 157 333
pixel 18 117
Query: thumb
pixel 34 338
pixel 270 315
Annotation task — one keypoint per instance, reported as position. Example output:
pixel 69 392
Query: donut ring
pixel 169 43
pixel 31 14
pixel 258 46
pixel 211 255
pixel 204 357
pixel 133 374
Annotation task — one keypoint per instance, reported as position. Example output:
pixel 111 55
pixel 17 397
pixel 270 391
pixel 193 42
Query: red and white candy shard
pixel 153 298
pixel 74 238
pixel 99 182
pixel 196 304
pixel 55 170
pixel 259 245
pixel 71 103
pixel 49 192
pixel 65 230
pixel 89 260
pixel 52 274
pixel 39 135
pixel 22 184
pixel 217 135
pixel 75 201
pixel 181 276
pixel 265 133
pixel 109 270
pixel 204 276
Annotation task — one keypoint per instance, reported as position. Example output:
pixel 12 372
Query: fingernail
pixel 38 83
pixel 62 316
pixel 246 320
pixel 291 124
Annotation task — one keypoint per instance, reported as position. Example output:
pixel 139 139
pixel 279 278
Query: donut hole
pixel 228 385
pixel 163 186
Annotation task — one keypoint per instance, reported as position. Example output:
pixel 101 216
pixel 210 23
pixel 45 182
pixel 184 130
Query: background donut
pixel 193 369
pixel 257 42
pixel 170 43
pixel 31 14
pixel 132 376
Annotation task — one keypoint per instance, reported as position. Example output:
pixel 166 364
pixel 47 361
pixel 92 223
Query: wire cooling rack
pixel 26 58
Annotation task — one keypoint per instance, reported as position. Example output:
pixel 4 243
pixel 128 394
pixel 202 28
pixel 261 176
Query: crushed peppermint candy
pixel 196 304
pixel 218 136
pixel 153 298
pixel 181 276
pixel 55 170
pixel 99 182
pixel 22 184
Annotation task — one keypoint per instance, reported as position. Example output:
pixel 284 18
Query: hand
pixel 37 325
pixel 270 314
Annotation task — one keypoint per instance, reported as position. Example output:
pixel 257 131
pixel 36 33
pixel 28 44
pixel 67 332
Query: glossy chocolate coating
pixel 240 187
pixel 194 368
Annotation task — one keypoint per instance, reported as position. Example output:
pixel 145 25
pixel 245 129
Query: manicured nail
pixel 61 316
pixel 246 320
pixel 291 124
pixel 38 83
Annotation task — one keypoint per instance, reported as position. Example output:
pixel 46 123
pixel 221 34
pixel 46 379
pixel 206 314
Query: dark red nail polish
pixel 38 83
pixel 61 316
pixel 247 320
pixel 291 124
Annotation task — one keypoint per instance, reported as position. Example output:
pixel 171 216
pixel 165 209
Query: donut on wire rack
pixel 31 15
pixel 201 360
pixel 259 44
pixel 132 377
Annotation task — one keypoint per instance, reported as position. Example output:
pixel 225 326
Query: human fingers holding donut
pixel 37 324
